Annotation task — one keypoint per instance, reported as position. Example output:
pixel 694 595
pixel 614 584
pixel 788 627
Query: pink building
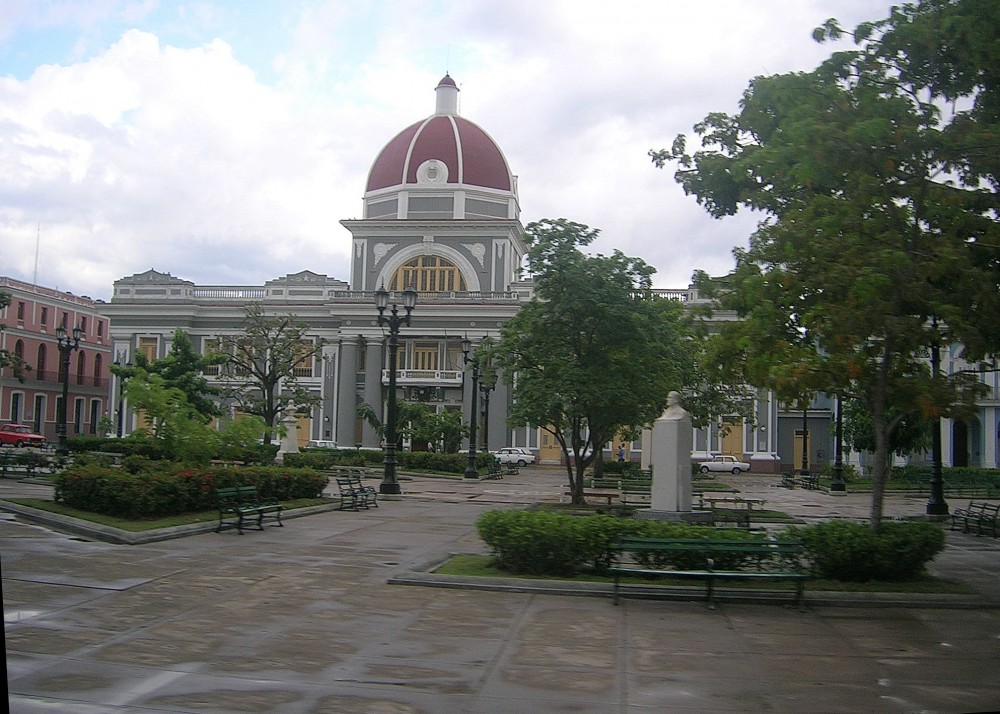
pixel 31 321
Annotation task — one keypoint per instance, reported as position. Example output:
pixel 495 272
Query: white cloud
pixel 233 160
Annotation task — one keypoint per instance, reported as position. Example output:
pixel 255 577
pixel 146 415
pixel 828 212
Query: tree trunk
pixel 881 471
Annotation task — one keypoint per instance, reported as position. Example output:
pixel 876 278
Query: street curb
pixel 813 598
pixel 116 536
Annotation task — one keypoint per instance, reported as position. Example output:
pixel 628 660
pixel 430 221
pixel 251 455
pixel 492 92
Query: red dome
pixel 472 157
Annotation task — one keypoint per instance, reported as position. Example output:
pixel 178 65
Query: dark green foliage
pixel 876 178
pixel 417 460
pixel 138 443
pixel 539 543
pixel 854 552
pixel 165 488
pixel 78 444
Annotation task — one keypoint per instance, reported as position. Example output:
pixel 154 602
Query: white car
pixel 514 455
pixel 722 462
pixel 321 444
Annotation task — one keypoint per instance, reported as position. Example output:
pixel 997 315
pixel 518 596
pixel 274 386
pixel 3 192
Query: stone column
pixel 374 361
pixel 347 394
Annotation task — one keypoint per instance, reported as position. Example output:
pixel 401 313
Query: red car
pixel 19 435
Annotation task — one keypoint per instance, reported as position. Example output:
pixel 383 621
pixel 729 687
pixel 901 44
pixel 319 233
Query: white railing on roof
pixel 229 293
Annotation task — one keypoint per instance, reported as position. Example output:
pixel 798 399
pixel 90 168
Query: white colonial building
pixel 441 213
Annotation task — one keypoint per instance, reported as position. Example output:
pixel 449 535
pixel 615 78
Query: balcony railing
pixel 425 377
pixel 55 376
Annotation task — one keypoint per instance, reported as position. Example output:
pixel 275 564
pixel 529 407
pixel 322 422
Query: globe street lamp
pixel 120 362
pixel 66 345
pixel 487 384
pixel 839 485
pixel 394 320
pixel 471 471
pixel 936 505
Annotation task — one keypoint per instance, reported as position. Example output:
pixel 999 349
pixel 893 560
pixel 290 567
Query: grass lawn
pixel 482 566
pixel 149 524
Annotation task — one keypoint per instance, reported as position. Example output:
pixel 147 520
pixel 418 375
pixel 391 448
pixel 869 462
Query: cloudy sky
pixel 222 141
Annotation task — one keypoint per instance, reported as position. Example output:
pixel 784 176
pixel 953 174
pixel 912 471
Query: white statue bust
pixel 674 408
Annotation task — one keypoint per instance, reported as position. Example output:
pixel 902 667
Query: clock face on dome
pixel 432 172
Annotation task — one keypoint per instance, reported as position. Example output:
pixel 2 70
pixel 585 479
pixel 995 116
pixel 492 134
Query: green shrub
pixel 418 460
pixel 538 543
pixel 544 543
pixel 165 488
pixel 854 552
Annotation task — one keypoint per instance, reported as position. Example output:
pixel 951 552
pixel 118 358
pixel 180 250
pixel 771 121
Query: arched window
pixel 428 274
pixel 81 363
pixel 40 362
pixel 19 359
pixel 98 364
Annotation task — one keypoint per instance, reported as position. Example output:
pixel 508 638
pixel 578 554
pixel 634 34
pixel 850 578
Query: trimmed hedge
pixel 166 489
pixel 420 460
pixel 855 552
pixel 543 543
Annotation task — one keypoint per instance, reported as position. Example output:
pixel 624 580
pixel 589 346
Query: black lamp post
pixel 119 362
pixel 487 384
pixel 838 484
pixel 66 345
pixel 471 471
pixel 805 441
pixel 394 320
pixel 936 505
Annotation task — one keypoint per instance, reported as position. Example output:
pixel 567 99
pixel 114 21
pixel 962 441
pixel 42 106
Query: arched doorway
pixel 959 443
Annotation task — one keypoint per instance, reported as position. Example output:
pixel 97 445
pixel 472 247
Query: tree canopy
pixel 182 369
pixel 260 371
pixel 596 350
pixel 880 235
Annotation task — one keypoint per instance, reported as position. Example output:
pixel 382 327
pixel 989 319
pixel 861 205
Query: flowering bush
pixel 164 488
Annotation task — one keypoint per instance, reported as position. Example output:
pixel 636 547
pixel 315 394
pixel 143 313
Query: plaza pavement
pixel 304 619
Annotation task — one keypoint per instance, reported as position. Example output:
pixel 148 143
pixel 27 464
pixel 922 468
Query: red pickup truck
pixel 19 435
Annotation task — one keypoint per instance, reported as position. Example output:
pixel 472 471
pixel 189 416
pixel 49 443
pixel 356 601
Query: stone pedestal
pixel 290 440
pixel 671 461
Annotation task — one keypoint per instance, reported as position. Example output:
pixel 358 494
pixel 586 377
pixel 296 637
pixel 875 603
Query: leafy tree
pixel 180 428
pixel 183 369
pixel 261 362
pixel 880 234
pixel 911 435
pixel 596 350
pixel 414 420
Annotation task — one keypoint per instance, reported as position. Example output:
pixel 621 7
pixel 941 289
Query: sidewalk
pixel 303 619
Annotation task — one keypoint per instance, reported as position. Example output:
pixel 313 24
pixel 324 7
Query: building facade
pixel 442 214
pixel 31 396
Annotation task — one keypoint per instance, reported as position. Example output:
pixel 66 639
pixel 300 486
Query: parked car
pixel 321 444
pixel 514 455
pixel 724 463
pixel 19 435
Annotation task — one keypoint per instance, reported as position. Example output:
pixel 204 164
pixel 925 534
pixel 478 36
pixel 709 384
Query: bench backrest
pixel 681 544
pixel 236 495
pixel 734 554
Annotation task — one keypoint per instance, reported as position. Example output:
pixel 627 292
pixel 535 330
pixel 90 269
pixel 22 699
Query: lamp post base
pixel 471 473
pixel 390 489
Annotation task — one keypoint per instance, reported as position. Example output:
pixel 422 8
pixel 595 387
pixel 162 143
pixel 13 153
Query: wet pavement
pixel 304 619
